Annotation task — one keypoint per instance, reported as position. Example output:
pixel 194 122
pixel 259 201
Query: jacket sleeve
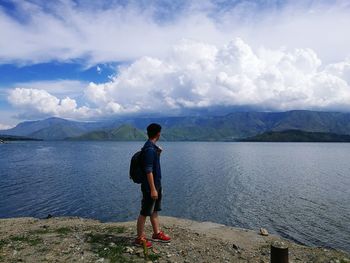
pixel 148 160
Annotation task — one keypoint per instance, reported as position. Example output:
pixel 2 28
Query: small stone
pixel 263 232
pixel 100 260
pixel 15 252
pixel 155 251
pixel 139 252
pixel 112 244
pixel 234 246
pixel 169 256
pixel 129 250
pixel 49 216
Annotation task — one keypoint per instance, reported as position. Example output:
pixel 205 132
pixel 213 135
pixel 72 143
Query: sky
pixel 95 60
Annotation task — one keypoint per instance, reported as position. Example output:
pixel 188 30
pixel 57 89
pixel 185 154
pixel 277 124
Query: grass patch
pixel 117 229
pixel 32 241
pixel 3 243
pixel 153 257
pixel 19 238
pixel 100 244
pixel 35 241
pixel 63 230
pixel 39 232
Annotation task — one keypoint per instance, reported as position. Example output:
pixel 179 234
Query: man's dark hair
pixel 153 129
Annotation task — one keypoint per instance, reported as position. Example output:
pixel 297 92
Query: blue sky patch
pixel 11 74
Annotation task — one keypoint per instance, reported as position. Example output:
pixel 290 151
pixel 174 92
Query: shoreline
pixel 67 239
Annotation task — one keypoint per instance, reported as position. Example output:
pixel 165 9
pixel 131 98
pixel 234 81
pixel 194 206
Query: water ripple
pixel 299 191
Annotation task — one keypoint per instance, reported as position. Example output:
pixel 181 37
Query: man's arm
pixel 154 193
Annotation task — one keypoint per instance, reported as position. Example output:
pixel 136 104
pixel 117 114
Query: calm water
pixel 300 191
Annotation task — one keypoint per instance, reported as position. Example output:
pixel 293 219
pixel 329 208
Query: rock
pixel 155 251
pixel 49 216
pixel 100 260
pixel 139 252
pixel 169 255
pixel 129 250
pixel 263 232
pixel 112 244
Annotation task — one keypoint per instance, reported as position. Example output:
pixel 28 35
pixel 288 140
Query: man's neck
pixel 154 140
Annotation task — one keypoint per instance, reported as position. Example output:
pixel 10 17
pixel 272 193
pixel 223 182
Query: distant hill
pixel 4 138
pixel 298 136
pixel 53 128
pixel 230 127
pixel 239 125
pixel 122 133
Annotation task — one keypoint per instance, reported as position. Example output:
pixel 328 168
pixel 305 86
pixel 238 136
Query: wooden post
pixel 279 253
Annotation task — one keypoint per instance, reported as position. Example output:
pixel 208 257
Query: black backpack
pixel 136 168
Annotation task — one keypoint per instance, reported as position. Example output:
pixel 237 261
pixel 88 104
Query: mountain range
pixel 297 136
pixel 230 127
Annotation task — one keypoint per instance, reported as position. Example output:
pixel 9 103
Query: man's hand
pixel 154 194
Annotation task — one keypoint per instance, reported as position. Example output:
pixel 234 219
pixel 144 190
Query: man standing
pixel 151 188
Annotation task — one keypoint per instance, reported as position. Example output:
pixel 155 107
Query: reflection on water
pixel 300 191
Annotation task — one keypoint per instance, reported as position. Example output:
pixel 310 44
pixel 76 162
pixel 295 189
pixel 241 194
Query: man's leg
pixel 155 222
pixel 141 226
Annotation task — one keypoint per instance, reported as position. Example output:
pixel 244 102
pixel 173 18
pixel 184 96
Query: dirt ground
pixel 84 240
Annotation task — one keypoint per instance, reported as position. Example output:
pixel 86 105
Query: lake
pixel 300 191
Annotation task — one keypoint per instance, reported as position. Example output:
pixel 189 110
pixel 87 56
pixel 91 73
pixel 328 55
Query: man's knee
pixel 154 214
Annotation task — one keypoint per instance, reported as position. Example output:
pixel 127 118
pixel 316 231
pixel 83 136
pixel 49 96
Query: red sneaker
pixel 142 241
pixel 161 237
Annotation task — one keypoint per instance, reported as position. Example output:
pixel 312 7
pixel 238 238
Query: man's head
pixel 153 131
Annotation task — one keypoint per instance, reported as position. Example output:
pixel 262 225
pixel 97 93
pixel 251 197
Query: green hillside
pixel 4 138
pixel 122 133
pixel 298 136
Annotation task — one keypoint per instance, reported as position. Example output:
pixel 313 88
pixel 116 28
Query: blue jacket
pixel 151 163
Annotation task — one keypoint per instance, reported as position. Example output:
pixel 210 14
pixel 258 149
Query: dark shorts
pixel 148 205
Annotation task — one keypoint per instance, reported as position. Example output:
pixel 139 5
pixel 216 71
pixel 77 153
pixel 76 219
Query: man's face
pixel 157 136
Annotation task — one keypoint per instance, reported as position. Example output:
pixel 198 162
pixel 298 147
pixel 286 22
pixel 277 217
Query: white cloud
pixel 5 126
pixel 40 102
pixel 198 75
pixel 64 31
pixel 71 88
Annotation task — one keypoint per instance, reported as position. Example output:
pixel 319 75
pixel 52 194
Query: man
pixel 151 188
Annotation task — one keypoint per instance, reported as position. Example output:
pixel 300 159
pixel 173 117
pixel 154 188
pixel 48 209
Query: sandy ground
pixel 84 240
